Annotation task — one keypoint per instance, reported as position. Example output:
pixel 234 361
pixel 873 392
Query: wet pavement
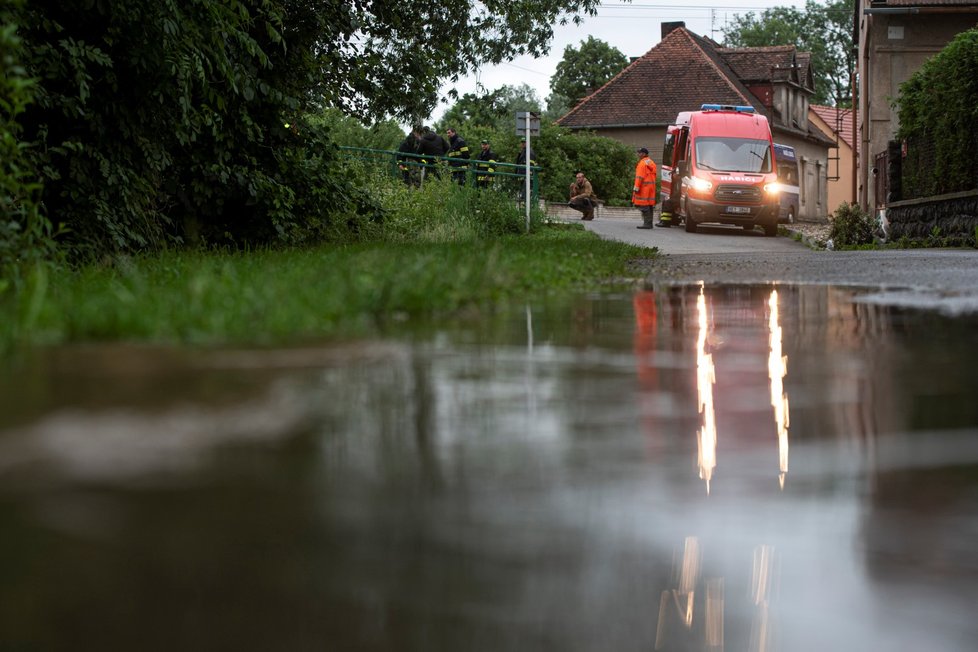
pixel 718 467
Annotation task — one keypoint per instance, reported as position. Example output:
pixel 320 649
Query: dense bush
pixel 851 226
pixel 156 123
pixel 348 131
pixel 443 211
pixel 560 152
pixel 938 109
pixel 24 233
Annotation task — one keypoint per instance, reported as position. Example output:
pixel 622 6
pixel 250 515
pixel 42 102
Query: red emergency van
pixel 722 160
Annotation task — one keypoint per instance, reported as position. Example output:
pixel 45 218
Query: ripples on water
pixel 685 468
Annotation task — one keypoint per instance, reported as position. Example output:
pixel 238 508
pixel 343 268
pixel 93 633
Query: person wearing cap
pixel 582 197
pixel 458 149
pixel 643 190
pixel 486 165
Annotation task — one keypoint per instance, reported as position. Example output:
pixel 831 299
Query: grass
pixel 276 296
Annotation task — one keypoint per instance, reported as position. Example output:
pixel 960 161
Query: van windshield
pixel 733 154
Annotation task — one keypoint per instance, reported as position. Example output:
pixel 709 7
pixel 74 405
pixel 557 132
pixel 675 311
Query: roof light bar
pixel 727 107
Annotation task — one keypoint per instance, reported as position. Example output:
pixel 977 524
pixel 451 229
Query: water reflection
pixel 777 368
pixel 705 378
pixel 532 479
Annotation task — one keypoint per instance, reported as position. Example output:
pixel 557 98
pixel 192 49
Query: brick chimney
pixel 669 27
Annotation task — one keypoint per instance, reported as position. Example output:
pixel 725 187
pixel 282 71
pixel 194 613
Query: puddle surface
pixel 739 468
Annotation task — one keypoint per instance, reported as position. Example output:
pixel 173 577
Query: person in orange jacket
pixel 643 191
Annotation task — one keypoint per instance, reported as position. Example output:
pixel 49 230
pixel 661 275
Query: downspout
pixel 855 137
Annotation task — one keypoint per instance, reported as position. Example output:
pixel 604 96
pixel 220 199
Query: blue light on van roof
pixel 727 107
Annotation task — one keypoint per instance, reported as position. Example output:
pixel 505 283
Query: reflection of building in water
pixel 692 611
pixel 777 369
pixel 705 378
pixel 763 584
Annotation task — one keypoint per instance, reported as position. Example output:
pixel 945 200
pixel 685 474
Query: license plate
pixel 738 209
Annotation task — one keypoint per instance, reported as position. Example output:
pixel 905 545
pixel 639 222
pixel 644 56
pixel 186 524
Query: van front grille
pixel 741 194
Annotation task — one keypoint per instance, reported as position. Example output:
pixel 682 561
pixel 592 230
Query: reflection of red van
pixel 724 156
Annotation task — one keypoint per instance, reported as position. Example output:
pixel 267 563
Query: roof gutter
pixel 643 125
pixel 921 10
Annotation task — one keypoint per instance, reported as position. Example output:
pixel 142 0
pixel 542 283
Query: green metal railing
pixel 414 168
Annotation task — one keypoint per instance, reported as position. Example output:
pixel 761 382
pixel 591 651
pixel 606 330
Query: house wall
pixel 813 180
pixel 812 176
pixel 839 190
pixel 891 48
pixel 652 138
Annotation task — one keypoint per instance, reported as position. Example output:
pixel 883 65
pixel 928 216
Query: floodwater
pixel 740 468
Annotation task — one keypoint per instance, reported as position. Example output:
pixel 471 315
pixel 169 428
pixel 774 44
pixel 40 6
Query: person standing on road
pixel 643 190
pixel 457 149
pixel 582 197
pixel 486 165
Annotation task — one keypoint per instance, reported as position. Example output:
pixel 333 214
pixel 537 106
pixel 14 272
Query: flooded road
pixel 762 468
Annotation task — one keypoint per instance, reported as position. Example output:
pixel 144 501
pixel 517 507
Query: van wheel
pixel 770 230
pixel 690 226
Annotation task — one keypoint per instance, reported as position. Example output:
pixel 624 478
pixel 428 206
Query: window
pixel 733 154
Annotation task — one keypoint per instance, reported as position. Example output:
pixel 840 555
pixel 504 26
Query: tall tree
pixel 161 122
pixel 494 109
pixel 824 30
pixel 583 70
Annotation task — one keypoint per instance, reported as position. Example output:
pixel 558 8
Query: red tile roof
pixel 681 73
pixel 761 64
pixel 838 120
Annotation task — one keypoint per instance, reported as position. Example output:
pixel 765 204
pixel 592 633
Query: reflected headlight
pixel 700 185
pixel 773 188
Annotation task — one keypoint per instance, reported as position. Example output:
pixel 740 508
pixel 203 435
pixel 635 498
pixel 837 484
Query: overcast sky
pixel 633 28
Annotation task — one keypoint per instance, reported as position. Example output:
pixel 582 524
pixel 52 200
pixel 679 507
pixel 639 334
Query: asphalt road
pixel 945 280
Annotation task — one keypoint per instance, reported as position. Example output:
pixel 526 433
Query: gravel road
pixel 935 279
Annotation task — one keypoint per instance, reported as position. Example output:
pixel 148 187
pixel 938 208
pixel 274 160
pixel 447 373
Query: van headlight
pixel 774 188
pixel 701 185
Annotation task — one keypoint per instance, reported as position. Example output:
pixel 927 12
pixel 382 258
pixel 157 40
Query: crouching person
pixel 582 197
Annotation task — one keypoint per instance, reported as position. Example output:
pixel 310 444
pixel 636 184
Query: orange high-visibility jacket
pixel 643 191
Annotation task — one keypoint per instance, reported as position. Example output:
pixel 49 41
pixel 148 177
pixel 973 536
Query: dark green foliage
pixel 496 109
pixel 607 163
pixel 559 151
pixel 347 131
pixel 938 111
pixel 24 233
pixel 851 226
pixel 582 71
pixel 161 123
pixel 825 30
pixel 170 122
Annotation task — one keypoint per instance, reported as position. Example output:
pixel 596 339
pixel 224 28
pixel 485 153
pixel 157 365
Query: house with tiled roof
pixel 894 39
pixel 838 122
pixel 685 71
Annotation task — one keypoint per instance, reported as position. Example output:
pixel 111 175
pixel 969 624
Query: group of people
pixel 423 148
pixel 583 199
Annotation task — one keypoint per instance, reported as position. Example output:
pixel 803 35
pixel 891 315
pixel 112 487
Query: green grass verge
pixel 277 296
